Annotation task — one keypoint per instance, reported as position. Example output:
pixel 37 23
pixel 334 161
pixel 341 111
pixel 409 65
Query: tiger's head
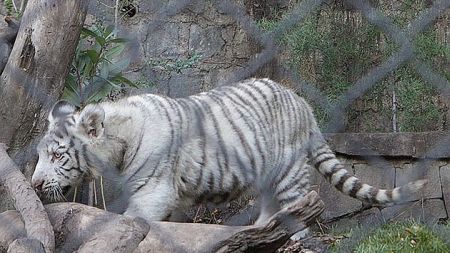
pixel 64 156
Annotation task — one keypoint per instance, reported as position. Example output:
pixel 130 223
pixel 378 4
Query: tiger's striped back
pixel 267 133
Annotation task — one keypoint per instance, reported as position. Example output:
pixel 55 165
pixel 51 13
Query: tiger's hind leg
pixel 268 207
pixel 292 189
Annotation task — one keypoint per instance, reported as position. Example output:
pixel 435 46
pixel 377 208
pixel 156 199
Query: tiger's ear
pixel 60 110
pixel 91 121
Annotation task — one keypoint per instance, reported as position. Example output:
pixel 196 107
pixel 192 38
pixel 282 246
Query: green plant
pixel 333 48
pixel 266 24
pixel 176 65
pixel 431 50
pixel 401 237
pixel 14 10
pixel 95 70
pixel 416 108
pixel 10 9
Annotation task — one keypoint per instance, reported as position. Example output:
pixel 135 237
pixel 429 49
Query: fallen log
pixel 280 227
pixel 188 237
pixel 83 228
pixel 26 245
pixel 11 228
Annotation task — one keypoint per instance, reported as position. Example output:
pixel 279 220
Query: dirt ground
pixel 242 212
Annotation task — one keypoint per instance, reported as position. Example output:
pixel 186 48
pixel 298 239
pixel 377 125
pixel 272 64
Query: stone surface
pixel 11 228
pixel 170 36
pixel 423 144
pixel 445 182
pixel 375 176
pixel 430 210
pixel 369 217
pixel 339 226
pixel 336 203
pixel 205 41
pixel 82 228
pixel 411 172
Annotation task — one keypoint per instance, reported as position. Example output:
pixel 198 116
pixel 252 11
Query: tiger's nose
pixel 37 184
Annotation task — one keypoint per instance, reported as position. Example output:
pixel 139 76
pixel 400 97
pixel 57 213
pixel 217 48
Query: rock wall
pixel 179 53
pixel 387 161
pixel 181 48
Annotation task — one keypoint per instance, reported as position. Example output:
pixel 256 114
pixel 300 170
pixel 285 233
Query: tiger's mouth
pixel 66 189
pixel 54 193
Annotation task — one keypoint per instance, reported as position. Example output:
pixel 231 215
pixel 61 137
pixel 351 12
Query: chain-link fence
pixel 264 55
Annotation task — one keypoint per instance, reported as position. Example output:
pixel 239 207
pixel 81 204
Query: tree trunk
pixel 35 74
pixel 32 80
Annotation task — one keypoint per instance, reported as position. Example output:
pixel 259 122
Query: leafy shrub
pixel 10 10
pixel 96 70
pixel 333 48
pixel 177 65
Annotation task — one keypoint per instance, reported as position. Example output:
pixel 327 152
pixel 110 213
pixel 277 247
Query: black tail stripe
pixel 329 173
pixel 389 195
pixel 319 162
pixel 373 195
pixel 342 180
pixel 356 187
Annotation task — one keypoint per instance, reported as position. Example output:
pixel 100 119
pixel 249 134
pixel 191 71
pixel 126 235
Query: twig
pixel 103 193
pixel 116 17
pixel 95 193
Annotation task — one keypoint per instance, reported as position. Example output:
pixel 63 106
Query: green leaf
pixel 118 40
pixel 104 70
pixel 123 80
pixel 71 83
pixel 114 51
pixel 88 32
pixel 112 84
pixel 119 66
pixel 98 38
pixel 93 55
pixel 71 92
pixel 109 31
pixel 97 68
pixel 71 97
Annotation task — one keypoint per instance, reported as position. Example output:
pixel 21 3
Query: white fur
pixel 158 150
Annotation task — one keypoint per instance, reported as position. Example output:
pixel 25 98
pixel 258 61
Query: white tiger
pixel 173 153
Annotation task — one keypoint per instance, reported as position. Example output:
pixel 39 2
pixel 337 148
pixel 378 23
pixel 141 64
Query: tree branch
pixel 37 224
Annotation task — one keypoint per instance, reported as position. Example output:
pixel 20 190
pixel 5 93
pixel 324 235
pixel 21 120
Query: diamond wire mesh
pixel 404 55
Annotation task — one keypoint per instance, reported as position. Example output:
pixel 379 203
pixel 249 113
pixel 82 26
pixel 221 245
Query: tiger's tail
pixel 325 161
